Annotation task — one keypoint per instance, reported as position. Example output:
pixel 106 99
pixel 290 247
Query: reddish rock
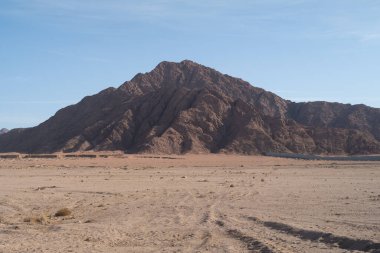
pixel 186 107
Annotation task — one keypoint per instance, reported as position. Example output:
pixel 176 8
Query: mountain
pixel 186 107
pixel 3 131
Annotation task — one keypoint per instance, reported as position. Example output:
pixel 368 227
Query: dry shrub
pixel 63 212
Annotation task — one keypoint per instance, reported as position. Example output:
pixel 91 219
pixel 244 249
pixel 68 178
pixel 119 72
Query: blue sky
pixel 53 52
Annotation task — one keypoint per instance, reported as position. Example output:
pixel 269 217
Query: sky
pixel 53 52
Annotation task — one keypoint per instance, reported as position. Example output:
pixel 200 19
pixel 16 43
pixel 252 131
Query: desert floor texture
pixel 192 203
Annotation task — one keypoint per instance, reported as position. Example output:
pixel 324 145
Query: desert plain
pixel 190 203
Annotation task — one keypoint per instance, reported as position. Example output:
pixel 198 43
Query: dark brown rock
pixel 186 107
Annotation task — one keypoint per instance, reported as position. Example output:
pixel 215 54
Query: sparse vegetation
pixel 63 212
pixel 43 219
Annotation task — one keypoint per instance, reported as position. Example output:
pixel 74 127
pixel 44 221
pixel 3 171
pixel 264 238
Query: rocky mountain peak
pixel 183 74
pixel 187 107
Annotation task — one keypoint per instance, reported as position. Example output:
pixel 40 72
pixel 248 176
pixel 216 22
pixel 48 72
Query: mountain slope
pixel 186 107
pixel 3 131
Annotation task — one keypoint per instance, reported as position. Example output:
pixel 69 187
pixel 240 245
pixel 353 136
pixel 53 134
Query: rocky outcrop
pixel 3 131
pixel 186 107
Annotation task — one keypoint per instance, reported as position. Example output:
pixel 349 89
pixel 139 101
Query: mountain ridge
pixel 189 108
pixel 3 131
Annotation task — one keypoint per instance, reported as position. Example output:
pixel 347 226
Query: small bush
pixel 62 212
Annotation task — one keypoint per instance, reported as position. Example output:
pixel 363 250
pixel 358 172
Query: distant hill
pixel 186 107
pixel 4 131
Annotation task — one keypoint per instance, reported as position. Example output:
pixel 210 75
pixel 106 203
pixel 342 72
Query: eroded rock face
pixel 186 107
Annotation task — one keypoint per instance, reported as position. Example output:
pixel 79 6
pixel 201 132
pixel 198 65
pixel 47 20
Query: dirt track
pixel 205 203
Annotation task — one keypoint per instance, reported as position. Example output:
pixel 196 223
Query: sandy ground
pixel 195 203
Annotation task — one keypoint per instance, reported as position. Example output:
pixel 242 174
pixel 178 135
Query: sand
pixel 193 203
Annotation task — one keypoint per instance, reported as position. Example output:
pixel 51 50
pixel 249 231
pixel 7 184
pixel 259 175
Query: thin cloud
pixel 241 18
pixel 146 10
pixel 364 36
